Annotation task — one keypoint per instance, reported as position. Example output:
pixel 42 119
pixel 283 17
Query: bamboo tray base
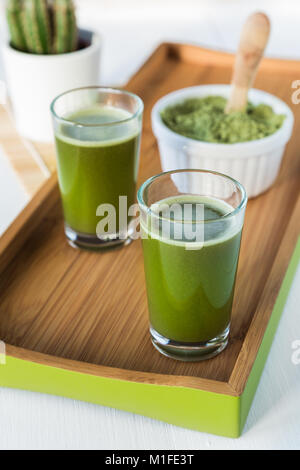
pixel 76 323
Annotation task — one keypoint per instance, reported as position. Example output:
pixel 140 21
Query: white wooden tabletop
pixel 131 29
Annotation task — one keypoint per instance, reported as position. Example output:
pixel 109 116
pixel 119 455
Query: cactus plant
pixel 42 26
pixel 14 20
pixel 65 30
pixel 36 26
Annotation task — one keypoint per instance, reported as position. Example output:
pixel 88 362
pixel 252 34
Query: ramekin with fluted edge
pixel 255 164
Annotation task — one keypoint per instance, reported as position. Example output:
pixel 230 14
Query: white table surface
pixel 130 30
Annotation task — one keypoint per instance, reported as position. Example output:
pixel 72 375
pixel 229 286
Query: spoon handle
pixel 252 44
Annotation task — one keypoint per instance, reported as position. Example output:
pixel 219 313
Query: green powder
pixel 204 119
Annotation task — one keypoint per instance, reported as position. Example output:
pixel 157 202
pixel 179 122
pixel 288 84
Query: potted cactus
pixel 45 55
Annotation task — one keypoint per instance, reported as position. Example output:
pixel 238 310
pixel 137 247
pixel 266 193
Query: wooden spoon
pixel 254 38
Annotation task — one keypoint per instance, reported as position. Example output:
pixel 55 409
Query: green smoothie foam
pixel 96 166
pixel 190 291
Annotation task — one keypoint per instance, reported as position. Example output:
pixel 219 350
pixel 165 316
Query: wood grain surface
pixel 60 305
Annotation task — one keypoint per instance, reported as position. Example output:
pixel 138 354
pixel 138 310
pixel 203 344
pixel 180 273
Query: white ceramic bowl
pixel 255 164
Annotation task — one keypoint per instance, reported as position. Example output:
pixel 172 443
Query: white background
pixel 130 30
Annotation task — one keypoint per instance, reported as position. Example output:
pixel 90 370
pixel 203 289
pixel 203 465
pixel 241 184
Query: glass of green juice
pixel 97 134
pixel 191 226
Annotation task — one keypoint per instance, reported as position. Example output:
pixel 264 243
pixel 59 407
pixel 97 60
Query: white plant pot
pixel 33 81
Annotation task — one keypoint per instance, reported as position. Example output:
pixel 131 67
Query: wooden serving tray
pixel 75 323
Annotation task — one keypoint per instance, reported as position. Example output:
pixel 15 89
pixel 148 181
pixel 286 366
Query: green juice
pixel 190 290
pixel 96 167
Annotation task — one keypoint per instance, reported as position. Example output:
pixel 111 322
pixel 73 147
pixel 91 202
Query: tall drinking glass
pixel 97 134
pixel 191 224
